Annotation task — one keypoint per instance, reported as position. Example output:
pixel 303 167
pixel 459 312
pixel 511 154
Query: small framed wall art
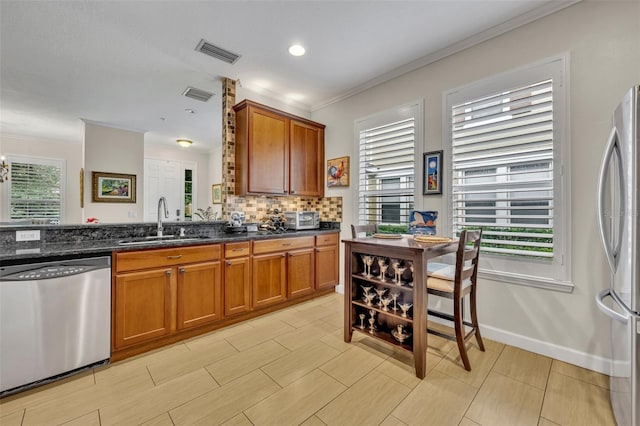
pixel 338 172
pixel 216 193
pixel 432 173
pixel 113 188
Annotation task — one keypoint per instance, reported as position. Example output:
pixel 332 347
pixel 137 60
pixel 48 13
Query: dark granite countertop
pixel 21 251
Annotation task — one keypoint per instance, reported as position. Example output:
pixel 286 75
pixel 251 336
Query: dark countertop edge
pixel 101 247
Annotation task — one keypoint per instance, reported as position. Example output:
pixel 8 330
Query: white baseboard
pixel 561 353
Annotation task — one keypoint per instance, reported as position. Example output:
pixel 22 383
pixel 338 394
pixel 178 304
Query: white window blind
pixel 502 158
pixel 508 152
pixel 386 167
pixel 36 189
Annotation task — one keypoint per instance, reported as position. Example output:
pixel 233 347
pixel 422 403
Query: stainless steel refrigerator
pixel 618 217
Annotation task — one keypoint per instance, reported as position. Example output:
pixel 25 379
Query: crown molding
pixel 519 21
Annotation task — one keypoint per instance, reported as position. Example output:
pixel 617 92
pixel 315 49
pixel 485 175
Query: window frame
pixel 413 109
pixel 555 274
pixel 44 161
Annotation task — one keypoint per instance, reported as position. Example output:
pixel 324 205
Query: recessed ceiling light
pixel 189 111
pixel 296 50
pixel 185 143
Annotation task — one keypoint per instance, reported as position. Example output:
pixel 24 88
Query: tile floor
pixel 292 367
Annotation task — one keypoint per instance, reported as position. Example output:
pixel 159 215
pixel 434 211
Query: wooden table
pixel 411 252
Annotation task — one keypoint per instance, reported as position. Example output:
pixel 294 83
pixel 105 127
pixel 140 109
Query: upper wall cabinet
pixel 277 153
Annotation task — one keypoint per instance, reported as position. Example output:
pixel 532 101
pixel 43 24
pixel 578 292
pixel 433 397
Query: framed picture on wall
pixel 432 173
pixel 113 188
pixel 338 172
pixel 216 193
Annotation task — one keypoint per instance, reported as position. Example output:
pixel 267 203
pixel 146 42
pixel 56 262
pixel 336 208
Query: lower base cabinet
pixel 327 261
pixel 159 292
pixel 160 296
pixel 269 279
pixel 199 294
pixel 143 306
pixel 237 282
pixel 300 273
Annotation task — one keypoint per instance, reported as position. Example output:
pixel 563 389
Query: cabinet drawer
pixel 232 250
pixel 281 244
pixel 144 259
pixel 326 240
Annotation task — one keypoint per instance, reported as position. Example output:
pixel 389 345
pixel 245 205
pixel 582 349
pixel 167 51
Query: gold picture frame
pixel 216 193
pixel 338 172
pixel 113 187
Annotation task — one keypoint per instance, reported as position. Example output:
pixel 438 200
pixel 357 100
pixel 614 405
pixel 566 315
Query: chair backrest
pixel 368 229
pixel 467 258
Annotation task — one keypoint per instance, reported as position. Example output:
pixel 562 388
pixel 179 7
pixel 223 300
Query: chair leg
pixel 459 327
pixel 474 319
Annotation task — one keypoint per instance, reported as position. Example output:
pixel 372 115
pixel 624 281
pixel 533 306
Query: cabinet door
pixel 269 277
pixel 268 153
pixel 327 266
pixel 237 295
pixel 300 275
pixel 307 160
pixel 142 306
pixel 199 294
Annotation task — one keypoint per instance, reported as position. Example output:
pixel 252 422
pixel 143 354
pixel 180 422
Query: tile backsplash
pixel 255 207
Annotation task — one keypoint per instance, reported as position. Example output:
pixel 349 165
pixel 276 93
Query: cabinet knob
pixel 283 255
pixel 167 273
pixel 228 263
pixel 292 192
pixel 284 192
pixel 182 270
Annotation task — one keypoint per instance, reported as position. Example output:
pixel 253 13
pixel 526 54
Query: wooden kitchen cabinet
pixel 159 292
pixel 327 261
pixel 237 278
pixel 282 268
pixel 300 272
pixel 277 153
pixel 199 294
pixel 306 174
pixel 269 279
pixel 143 306
pixel 161 296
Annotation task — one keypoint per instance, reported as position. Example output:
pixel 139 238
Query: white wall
pixel 603 39
pixel 71 152
pixel 107 149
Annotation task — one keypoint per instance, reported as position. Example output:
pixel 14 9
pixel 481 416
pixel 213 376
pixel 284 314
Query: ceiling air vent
pixel 217 52
pixel 197 94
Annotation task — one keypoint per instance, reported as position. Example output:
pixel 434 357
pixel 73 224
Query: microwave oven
pixel 302 220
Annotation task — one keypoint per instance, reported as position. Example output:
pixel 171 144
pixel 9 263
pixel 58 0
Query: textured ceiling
pixel 126 63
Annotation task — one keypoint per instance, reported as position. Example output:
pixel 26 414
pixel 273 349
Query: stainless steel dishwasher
pixel 55 320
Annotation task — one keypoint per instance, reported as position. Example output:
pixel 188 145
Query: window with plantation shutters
pixel 386 167
pixel 35 190
pixel 507 155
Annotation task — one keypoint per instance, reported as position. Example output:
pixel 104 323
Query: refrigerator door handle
pixel 604 169
pixel 608 311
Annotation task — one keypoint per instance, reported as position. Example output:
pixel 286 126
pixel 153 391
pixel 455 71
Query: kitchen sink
pixel 155 240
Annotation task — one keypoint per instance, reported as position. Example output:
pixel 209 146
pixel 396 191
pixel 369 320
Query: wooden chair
pixel 456 287
pixel 368 229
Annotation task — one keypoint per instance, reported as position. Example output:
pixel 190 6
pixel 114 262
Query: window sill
pixel 527 280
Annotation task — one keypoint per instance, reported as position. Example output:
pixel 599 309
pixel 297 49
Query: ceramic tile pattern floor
pixel 292 367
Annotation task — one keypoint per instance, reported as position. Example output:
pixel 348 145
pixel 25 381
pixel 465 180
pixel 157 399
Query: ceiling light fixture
pixel 185 143
pixel 296 50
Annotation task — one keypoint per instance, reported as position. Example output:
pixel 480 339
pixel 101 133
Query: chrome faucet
pixel 166 214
